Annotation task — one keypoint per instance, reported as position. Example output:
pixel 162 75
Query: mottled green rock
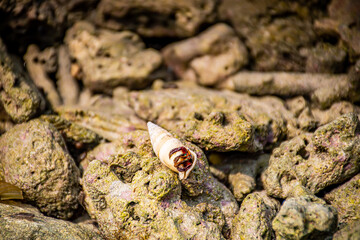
pixel 34 158
pixel 304 218
pixel 20 221
pixel 76 137
pixel 214 120
pixel 109 59
pixel 254 218
pixel 107 117
pixel 132 195
pixel 19 96
pixel 346 199
pixel 351 231
pixel 329 156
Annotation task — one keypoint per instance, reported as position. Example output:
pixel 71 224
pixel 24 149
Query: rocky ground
pixel 265 93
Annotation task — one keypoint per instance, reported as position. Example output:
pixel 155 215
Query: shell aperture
pixel 171 152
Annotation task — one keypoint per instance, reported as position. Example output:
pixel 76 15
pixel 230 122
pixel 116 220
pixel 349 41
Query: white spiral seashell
pixel 171 152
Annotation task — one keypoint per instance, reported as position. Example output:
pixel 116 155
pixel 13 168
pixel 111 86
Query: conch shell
pixel 171 152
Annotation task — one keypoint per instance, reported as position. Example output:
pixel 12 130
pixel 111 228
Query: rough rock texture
pixel 303 113
pixel 34 158
pixel 5 120
pixel 343 22
pixel 351 231
pixel 329 156
pixel 221 121
pixel 335 111
pixel 323 89
pixel 254 218
pixel 304 218
pixel 156 18
pixel 326 58
pixel 108 59
pixel 345 199
pixel 20 221
pixel 132 195
pixel 77 138
pixel 277 45
pixel 18 94
pixel 41 22
pixel 309 117
pixel 108 117
pixel 275 31
pixel 209 57
pixel 238 171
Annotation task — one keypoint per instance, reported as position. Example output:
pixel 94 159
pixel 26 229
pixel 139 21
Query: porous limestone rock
pixel 131 194
pixel 34 158
pixel 109 59
pixel 329 156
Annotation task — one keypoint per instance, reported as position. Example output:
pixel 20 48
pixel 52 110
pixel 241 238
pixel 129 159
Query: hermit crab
pixel 171 152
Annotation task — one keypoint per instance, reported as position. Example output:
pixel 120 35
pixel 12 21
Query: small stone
pixel 255 216
pixel 303 218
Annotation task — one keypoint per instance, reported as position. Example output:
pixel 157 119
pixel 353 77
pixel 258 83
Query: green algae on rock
pixel 218 121
pixel 132 195
pixel 209 57
pixel 77 138
pixel 254 218
pixel 19 96
pixel 109 59
pixel 345 198
pixel 21 221
pixel 351 231
pixel 304 218
pixel 34 158
pixel 107 117
pixel 329 156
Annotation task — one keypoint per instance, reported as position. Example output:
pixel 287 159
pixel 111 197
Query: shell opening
pixel 184 160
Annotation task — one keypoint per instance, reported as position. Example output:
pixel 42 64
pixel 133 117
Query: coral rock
pixel 34 158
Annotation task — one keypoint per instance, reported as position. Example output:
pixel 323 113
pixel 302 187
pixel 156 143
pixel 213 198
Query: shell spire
pixel 171 152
